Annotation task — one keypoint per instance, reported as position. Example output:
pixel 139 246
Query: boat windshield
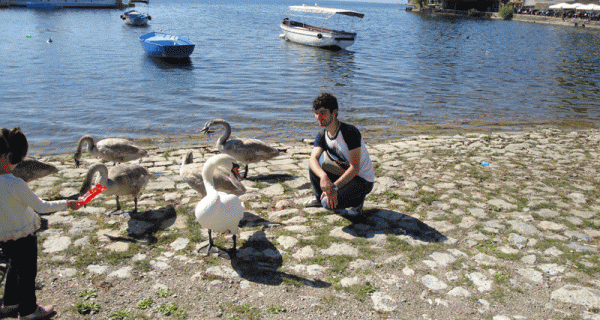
pixel 338 19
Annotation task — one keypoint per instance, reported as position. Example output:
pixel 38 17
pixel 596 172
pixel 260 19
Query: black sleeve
pixel 351 136
pixel 320 140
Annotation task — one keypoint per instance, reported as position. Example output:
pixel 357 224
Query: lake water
pixel 403 70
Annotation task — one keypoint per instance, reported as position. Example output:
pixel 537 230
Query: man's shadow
pixel 258 260
pixel 383 221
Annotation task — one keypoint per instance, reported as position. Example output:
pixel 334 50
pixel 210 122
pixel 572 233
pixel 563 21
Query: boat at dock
pixel 309 26
pixel 162 45
pixel 43 5
pixel 57 4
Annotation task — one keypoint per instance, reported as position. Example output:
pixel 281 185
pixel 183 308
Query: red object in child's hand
pixel 88 196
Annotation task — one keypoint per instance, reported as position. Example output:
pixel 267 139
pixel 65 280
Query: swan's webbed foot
pixel 117 210
pixel 210 248
pixel 232 252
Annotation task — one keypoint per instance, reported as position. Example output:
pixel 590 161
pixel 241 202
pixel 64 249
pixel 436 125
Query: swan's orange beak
pixel 236 171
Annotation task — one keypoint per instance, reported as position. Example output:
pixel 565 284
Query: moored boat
pixel 54 4
pixel 162 45
pixel 319 34
pixel 43 5
pixel 134 17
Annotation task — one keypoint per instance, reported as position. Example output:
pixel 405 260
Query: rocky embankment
pixel 475 226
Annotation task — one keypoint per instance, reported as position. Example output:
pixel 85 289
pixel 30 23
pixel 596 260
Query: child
pixel 18 224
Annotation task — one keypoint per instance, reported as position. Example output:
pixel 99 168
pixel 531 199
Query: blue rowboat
pixel 134 17
pixel 164 45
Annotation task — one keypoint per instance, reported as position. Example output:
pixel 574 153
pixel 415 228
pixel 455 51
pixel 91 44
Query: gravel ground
pixel 472 226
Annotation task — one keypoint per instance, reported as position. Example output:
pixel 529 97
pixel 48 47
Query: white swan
pixel 246 150
pixel 219 211
pixel 111 149
pixel 31 169
pixel 223 180
pixel 122 179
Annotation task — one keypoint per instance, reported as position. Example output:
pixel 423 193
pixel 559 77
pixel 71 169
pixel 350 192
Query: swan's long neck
pixel 87 183
pixel 90 143
pixel 207 176
pixel 225 135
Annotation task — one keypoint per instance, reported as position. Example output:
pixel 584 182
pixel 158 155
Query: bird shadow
pixel 383 221
pixel 143 225
pixel 272 178
pixel 258 260
pixel 252 220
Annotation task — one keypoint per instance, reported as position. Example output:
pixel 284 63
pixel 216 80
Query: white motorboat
pixel 309 26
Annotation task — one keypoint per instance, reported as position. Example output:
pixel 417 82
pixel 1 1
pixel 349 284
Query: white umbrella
pixel 558 5
pixel 572 6
pixel 586 7
pixel 590 7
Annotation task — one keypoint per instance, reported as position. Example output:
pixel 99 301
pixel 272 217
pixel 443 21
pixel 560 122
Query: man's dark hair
pixel 14 142
pixel 325 100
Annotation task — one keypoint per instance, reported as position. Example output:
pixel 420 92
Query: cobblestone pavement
pixel 473 226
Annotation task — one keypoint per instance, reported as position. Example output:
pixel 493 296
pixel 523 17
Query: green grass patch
pixel 360 292
pixel 167 309
pixel 163 293
pixel 338 264
pixel 88 294
pixel 397 244
pixel 292 281
pixel 243 311
pixel 427 198
pixel 276 309
pixel 117 258
pixel 146 303
pixel 501 278
pixel 87 307
pixel 122 314
pixel 142 265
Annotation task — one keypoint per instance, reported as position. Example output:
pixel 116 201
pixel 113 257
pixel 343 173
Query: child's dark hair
pixel 13 142
pixel 325 100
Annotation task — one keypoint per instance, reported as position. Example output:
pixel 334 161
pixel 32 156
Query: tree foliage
pixel 420 3
pixel 506 12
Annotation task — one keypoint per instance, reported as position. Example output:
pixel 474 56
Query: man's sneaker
pixel 312 203
pixel 354 211
pixel 7 311
pixel 41 313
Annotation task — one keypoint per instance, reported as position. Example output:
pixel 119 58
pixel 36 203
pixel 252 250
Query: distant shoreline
pixel 578 23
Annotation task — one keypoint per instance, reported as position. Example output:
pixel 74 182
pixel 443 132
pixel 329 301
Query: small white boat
pixel 319 34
